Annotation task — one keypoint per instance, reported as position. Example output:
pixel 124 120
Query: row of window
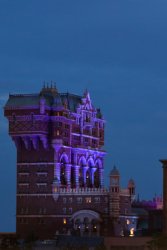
pixel 87 199
pixel 40 221
pixel 39 185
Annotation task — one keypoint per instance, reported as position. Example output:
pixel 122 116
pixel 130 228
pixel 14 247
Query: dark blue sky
pixel 118 50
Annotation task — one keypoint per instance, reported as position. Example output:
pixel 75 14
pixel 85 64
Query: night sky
pixel 117 49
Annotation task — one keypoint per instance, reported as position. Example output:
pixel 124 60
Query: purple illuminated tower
pixel 59 139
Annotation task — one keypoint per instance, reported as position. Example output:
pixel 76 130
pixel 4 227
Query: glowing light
pixel 64 221
pixel 127 222
pixel 132 232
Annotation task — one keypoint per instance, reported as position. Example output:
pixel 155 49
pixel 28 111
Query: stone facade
pixel 60 167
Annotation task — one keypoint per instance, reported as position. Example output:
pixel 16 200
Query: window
pixel 65 134
pixel 64 200
pixel 22 210
pixel 41 221
pixel 106 199
pixel 79 200
pixel 70 210
pixel 86 139
pixel 64 210
pixel 106 210
pixel 97 199
pixel 70 199
pixel 93 141
pixel 88 199
pixel 127 222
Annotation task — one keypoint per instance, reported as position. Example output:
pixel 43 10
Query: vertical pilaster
pixel 101 176
pixel 76 173
pixel 85 168
pixel 92 175
pixel 68 174
pixel 57 170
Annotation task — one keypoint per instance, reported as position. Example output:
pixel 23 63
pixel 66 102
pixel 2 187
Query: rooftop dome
pixel 114 171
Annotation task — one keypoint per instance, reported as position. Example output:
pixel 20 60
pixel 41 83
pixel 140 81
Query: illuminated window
pixel 64 221
pixel 88 199
pixel 132 230
pixel 58 132
pixel 127 222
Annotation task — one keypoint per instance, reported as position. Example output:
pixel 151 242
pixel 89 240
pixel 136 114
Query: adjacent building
pixel 59 139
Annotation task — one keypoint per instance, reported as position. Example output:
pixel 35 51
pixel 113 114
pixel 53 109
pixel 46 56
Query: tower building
pixel 59 139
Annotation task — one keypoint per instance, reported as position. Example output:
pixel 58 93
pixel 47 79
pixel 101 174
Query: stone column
pixel 93 169
pixel 68 174
pixel 57 171
pixel 85 168
pixel 101 177
pixel 76 173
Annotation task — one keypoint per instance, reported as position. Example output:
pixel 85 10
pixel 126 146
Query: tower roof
pixel 131 182
pixel 114 171
pixel 53 99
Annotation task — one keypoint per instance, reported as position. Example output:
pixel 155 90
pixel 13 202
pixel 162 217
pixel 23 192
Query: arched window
pixel 88 176
pixel 81 177
pixel 62 175
pixel 96 178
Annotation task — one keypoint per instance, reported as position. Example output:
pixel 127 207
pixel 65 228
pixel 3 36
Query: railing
pixel 80 190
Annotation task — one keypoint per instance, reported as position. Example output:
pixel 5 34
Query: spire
pixel 114 171
pixel 86 92
pixel 49 89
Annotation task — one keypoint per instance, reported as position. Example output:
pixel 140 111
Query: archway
pixel 86 222
pixel 63 162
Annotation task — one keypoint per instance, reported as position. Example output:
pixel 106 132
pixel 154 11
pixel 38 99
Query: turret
pixel 131 187
pixel 114 192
